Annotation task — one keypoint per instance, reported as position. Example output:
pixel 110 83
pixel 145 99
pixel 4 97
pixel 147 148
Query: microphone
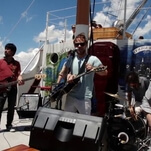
pixel 74 50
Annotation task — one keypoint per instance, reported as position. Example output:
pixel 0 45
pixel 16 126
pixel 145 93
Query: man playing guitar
pixel 79 97
pixel 9 71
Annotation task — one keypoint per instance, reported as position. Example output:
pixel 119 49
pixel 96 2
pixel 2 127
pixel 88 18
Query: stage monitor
pixel 58 130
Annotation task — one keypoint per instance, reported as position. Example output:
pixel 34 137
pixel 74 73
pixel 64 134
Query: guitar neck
pixel 82 74
pixel 87 72
pixel 3 85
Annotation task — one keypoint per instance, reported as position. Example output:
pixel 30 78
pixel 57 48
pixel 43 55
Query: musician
pixel 79 98
pixel 146 105
pixel 137 86
pixel 9 71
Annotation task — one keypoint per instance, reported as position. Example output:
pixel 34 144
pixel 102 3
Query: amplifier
pixel 28 105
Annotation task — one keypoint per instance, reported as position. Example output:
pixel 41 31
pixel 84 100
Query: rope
pixel 21 17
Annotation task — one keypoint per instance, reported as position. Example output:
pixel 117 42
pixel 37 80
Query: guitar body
pixel 69 86
pixel 3 88
pixel 62 89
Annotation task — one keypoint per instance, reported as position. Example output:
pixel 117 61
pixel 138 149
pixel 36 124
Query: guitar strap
pixel 81 70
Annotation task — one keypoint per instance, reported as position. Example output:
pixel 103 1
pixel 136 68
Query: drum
pixel 123 131
pixel 118 110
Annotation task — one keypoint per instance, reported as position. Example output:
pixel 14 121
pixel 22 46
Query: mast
pixel 82 17
pixel 124 19
pixel 47 24
pixel 65 30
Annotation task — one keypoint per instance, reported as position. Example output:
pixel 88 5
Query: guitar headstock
pixel 40 76
pixel 101 68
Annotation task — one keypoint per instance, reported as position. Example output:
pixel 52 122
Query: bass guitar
pixel 6 86
pixel 64 88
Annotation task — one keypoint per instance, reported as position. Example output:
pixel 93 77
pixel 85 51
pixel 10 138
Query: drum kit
pixel 126 130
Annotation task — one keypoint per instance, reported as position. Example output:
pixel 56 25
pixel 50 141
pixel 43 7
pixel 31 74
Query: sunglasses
pixel 81 44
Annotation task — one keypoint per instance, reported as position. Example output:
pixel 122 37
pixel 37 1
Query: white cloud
pixel 53 34
pixel 102 19
pixel 29 55
pixel 144 30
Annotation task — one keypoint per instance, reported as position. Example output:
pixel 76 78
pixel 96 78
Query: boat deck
pixel 21 134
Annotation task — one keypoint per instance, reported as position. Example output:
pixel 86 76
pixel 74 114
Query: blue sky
pixel 23 22
pixel 21 29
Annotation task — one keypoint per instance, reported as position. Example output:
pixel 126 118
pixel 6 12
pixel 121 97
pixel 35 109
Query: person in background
pixel 99 26
pixel 79 97
pixel 9 72
pixel 60 76
pixel 94 24
pixel 137 86
pixel 73 27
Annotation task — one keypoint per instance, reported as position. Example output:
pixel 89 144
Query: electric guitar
pixel 64 88
pixel 6 86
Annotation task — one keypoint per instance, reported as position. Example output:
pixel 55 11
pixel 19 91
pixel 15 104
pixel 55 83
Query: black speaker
pixel 56 130
pixel 28 105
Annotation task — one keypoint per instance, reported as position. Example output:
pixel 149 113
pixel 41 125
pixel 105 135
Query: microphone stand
pixel 59 101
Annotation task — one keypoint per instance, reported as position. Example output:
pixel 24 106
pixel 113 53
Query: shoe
pixel 10 129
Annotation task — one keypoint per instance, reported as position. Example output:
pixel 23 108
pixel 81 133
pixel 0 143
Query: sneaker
pixel 10 129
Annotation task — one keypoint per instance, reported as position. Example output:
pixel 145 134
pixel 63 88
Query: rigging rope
pixel 21 17
pixel 141 21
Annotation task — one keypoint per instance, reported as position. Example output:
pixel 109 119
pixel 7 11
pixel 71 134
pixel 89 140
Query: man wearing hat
pixel 9 71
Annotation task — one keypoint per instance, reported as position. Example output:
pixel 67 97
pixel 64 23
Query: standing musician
pixel 9 71
pixel 79 97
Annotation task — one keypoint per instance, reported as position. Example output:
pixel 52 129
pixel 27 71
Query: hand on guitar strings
pixel 20 80
pixel 70 78
pixel 89 67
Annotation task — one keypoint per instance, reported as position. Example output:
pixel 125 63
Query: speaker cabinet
pixel 58 130
pixel 28 105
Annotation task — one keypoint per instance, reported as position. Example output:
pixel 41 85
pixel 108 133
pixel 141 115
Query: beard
pixel 6 54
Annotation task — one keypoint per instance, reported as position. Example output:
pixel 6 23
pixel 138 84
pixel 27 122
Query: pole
pixel 125 5
pixel 82 17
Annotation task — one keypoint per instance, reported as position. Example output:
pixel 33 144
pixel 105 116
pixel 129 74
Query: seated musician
pixel 137 86
pixel 146 105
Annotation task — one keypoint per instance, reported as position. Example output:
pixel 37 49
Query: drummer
pixel 137 86
pixel 146 105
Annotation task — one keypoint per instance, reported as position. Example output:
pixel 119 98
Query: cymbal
pixel 116 96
